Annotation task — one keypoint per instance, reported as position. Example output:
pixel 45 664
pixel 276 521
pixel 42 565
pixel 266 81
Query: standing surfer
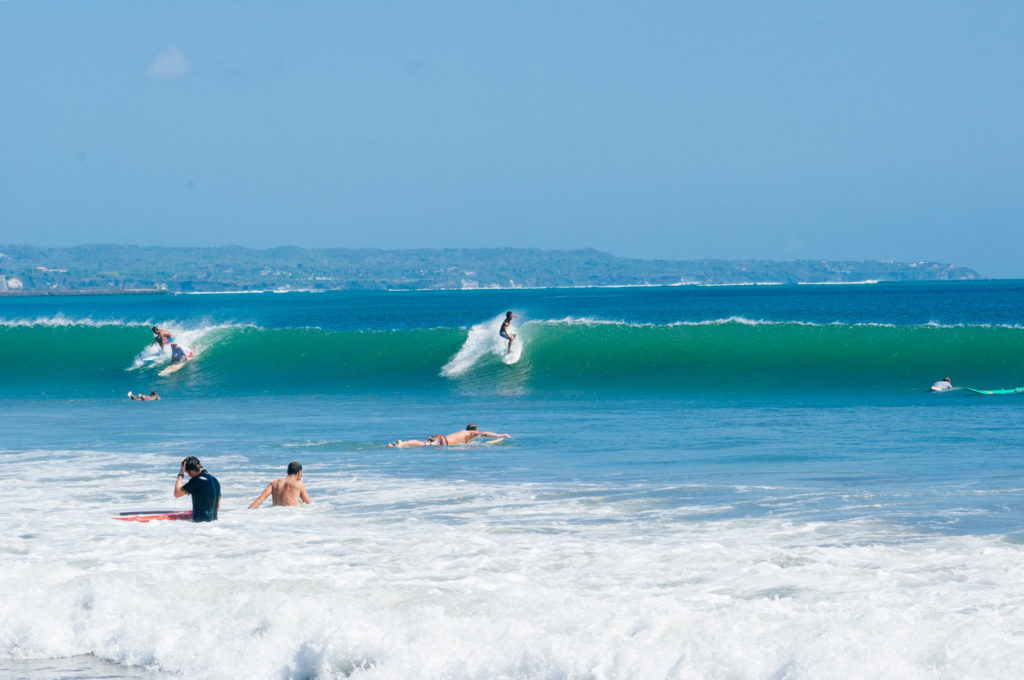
pixel 505 333
pixel 162 336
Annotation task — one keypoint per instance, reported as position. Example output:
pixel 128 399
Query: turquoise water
pixel 742 482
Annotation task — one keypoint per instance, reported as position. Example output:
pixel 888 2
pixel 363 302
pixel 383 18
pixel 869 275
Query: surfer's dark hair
pixel 471 426
pixel 192 464
pixel 509 313
pixel 294 467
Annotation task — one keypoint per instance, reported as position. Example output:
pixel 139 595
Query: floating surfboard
pixel 150 515
pixel 1011 390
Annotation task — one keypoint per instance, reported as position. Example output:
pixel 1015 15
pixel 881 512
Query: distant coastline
pixel 139 270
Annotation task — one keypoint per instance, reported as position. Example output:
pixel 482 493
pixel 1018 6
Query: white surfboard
pixel 173 368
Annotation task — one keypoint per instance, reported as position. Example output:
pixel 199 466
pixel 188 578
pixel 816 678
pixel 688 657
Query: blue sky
pixel 684 130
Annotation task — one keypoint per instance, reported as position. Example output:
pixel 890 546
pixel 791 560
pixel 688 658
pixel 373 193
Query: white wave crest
pixel 483 339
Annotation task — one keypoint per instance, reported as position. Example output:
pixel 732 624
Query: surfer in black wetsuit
pixel 504 332
pixel 201 486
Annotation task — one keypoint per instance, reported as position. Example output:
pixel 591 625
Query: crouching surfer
pixel 201 486
pixel 178 355
pixel 942 385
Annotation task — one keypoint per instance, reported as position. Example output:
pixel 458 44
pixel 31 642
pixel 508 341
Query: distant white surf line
pixel 744 321
pixel 482 339
pixel 255 292
pixel 838 283
pixel 60 320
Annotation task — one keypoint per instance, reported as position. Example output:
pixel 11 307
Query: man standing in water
pixel 202 487
pixel 287 490
pixel 505 333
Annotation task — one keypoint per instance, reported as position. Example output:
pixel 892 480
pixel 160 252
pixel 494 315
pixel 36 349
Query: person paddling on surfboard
pixel 505 333
pixel 152 396
pixel 162 336
pixel 455 438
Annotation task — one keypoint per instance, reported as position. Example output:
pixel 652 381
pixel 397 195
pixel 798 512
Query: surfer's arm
pixel 492 434
pixel 178 490
pixel 304 495
pixel 263 496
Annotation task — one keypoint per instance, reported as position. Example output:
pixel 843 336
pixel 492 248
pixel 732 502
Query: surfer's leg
pixel 402 443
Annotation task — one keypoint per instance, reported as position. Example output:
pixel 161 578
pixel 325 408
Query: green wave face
pixel 603 357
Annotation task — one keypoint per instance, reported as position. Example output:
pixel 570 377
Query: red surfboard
pixel 149 515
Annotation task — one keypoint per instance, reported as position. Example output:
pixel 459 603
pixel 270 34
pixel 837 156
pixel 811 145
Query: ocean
pixel 701 482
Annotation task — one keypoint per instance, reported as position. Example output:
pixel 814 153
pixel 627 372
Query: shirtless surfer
pixel 162 336
pixel 454 439
pixel 505 333
pixel 152 396
pixel 287 490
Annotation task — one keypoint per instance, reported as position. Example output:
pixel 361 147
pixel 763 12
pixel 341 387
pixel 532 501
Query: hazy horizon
pixel 796 131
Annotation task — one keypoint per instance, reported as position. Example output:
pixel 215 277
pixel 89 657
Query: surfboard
pixel 173 368
pixel 1011 390
pixel 150 515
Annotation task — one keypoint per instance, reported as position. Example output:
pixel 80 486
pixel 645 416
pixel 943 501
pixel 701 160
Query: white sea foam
pixel 60 320
pixel 482 340
pixel 190 340
pixel 745 321
pixel 385 578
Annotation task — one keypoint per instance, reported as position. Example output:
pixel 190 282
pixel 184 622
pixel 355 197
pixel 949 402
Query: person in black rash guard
pixel 202 487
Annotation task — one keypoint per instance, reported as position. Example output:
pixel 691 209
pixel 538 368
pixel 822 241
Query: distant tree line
pixel 115 268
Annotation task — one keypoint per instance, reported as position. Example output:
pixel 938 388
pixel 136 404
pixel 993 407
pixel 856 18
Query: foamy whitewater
pixel 702 482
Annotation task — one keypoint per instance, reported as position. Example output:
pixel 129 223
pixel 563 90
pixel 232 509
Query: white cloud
pixel 169 65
